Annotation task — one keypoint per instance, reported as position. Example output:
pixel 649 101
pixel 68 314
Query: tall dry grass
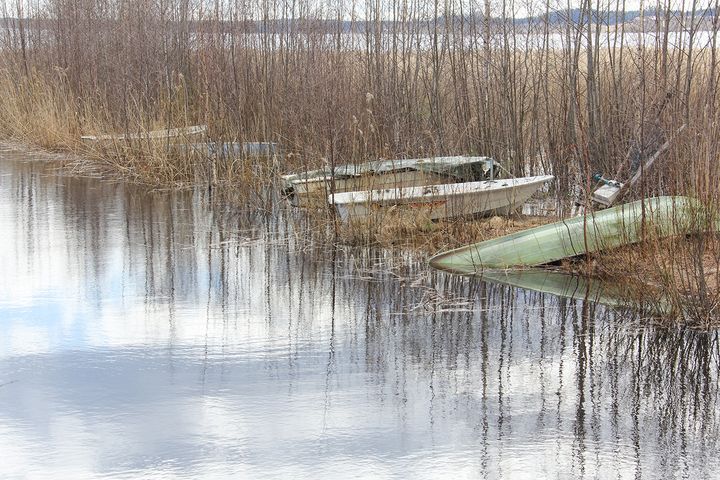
pixel 572 95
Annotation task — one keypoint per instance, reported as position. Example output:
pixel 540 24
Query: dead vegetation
pixel 397 229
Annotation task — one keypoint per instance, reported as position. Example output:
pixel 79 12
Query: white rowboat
pixel 151 135
pixel 498 197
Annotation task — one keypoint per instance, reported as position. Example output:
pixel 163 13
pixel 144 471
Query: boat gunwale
pixel 409 193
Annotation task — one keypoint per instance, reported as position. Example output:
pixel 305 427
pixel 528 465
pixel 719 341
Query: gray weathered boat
pixel 313 187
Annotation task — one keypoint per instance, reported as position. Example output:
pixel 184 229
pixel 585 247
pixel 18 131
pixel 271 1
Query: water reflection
pixel 147 334
pixel 587 289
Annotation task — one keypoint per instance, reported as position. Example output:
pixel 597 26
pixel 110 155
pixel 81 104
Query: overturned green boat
pixel 601 230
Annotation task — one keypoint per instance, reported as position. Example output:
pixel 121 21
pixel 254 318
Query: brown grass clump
pixel 410 230
pixel 42 113
pixel 681 272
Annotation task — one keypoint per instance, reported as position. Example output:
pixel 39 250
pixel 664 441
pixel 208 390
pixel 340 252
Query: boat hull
pixel 314 192
pixel 605 229
pixel 498 197
pixel 311 188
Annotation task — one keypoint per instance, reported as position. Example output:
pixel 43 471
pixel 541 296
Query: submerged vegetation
pixel 569 93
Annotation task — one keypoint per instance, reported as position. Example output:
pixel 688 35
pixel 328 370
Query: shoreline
pixel 649 267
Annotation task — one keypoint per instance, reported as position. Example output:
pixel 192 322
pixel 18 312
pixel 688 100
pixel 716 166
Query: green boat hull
pixel 602 230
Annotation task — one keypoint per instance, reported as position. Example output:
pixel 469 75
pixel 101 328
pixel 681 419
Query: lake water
pixel 146 335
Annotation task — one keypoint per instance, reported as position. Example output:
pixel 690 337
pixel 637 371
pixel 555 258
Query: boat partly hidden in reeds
pixel 496 197
pixel 311 188
pixel 605 229
pixel 164 134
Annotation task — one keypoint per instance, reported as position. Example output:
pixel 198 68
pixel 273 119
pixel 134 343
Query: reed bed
pixel 569 92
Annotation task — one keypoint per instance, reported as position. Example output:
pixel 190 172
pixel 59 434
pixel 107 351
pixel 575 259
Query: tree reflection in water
pixel 368 361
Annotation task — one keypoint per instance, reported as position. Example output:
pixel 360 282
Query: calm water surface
pixel 146 335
